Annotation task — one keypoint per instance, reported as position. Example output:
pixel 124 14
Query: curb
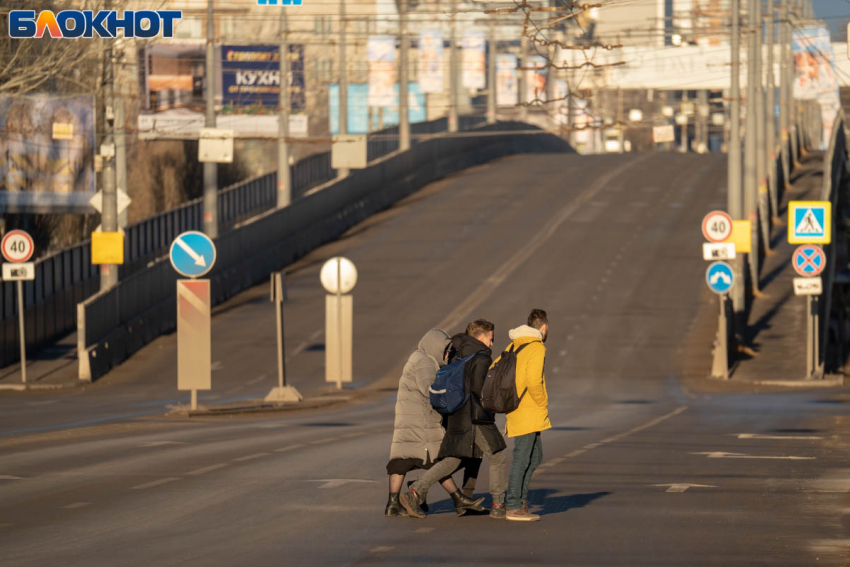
pixel 802 383
pixel 34 387
pixel 259 406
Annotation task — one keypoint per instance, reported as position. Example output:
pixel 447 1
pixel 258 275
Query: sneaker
pixel 521 515
pixel 497 512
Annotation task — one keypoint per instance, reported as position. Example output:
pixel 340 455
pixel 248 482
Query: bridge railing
pixel 117 322
pixel 67 277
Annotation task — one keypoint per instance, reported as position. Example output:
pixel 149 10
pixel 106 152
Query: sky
pixel 836 13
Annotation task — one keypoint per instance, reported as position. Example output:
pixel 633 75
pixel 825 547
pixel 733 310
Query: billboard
pixel 382 70
pixel 815 78
pixel 474 62
pixel 535 78
pixel 431 62
pixel 250 77
pixel 507 86
pixel 358 108
pixel 47 148
pixel 173 79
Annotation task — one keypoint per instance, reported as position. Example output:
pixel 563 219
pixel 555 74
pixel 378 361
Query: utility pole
pixel 403 102
pixel 491 72
pixel 210 172
pixel 343 84
pixel 121 154
pixel 684 148
pixel 620 134
pixel 523 78
pixel 770 132
pixel 453 69
pixel 284 180
pixel 750 151
pixel 109 211
pixel 784 98
pixel 734 197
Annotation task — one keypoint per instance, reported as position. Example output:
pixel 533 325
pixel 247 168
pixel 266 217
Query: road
pixel 609 246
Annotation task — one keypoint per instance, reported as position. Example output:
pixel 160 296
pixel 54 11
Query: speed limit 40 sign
pixel 717 226
pixel 17 246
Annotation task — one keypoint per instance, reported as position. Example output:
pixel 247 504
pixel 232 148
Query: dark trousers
pixel 528 454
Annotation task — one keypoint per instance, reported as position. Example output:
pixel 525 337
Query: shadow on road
pixel 556 504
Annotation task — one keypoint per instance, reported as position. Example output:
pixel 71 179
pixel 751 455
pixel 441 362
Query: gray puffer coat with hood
pixel 418 428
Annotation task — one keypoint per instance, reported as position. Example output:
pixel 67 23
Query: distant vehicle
pixel 612 140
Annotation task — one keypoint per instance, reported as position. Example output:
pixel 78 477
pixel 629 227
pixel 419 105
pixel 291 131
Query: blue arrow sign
pixel 720 277
pixel 192 254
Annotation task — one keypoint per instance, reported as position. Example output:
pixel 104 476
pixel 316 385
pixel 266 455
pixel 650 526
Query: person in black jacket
pixel 471 431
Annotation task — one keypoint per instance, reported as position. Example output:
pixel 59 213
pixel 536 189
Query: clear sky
pixel 836 13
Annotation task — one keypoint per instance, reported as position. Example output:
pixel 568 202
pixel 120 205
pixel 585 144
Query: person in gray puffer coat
pixel 418 430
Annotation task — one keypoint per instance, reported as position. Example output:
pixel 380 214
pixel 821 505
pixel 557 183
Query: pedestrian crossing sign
pixel 809 222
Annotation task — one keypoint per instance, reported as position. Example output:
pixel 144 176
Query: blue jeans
pixel 528 454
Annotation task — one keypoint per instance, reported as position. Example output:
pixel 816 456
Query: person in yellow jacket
pixel 531 417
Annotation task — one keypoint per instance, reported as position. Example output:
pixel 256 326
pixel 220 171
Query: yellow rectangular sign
pixel 107 248
pixel 741 236
pixel 809 222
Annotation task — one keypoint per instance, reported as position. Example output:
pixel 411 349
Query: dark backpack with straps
pixel 499 394
pixel 447 393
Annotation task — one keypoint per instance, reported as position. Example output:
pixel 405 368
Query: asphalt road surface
pixel 642 467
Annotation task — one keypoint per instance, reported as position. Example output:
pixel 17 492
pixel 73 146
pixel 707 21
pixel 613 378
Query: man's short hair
pixel 537 318
pixel 479 327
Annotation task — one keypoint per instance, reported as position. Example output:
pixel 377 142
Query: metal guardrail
pixel 119 321
pixel 67 277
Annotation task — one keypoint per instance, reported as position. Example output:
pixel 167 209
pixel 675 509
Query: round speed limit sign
pixel 717 226
pixel 17 246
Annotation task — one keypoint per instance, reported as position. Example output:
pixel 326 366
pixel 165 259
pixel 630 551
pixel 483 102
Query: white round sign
pixel 17 246
pixel 338 269
pixel 717 226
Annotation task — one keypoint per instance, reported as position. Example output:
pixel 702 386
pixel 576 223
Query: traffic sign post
pixel 720 278
pixel 338 277
pixel 283 392
pixel 809 261
pixel 17 248
pixel 193 255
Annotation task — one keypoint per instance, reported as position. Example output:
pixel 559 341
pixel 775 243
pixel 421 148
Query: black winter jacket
pixel 459 440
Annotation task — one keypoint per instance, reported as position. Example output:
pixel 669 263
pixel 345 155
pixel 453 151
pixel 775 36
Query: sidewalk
pixel 51 368
pixel 777 321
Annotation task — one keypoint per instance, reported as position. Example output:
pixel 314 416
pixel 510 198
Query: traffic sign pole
pixel 720 364
pixel 23 337
pixel 283 392
pixel 17 248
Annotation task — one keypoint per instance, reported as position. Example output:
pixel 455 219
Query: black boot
pixel 394 508
pixel 424 505
pixel 411 502
pixel 464 503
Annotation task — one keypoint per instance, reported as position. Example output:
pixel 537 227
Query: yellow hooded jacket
pixel 532 415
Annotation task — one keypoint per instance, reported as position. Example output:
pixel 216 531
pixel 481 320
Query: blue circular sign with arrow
pixel 720 277
pixel 192 254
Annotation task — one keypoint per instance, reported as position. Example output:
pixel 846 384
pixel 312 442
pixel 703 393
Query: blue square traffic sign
pixel 809 222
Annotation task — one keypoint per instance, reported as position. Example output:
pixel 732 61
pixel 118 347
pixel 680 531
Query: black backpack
pixel 499 393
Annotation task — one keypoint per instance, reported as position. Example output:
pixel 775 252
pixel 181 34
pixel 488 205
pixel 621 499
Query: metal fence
pixel 67 277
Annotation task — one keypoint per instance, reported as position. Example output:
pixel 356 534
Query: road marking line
pixel 425 530
pixel 609 440
pixel 335 482
pixel 257 379
pixel 723 455
pixel 155 483
pixel 161 443
pixel 778 437
pixel 683 487
pixel 10 477
pixel 321 441
pixel 358 434
pixel 250 457
pixel 207 469
pixel 289 448
pixel 459 314
pixel 592 446
pixel 380 549
pixel 76 505
pixel 575 453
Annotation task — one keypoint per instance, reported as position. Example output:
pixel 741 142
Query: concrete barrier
pixel 114 324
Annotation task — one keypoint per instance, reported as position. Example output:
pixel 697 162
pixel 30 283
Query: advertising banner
pixel 474 62
pixel 535 79
pixel 815 78
pixel 358 108
pixel 507 86
pixel 382 70
pixel 172 79
pixel 431 62
pixel 47 148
